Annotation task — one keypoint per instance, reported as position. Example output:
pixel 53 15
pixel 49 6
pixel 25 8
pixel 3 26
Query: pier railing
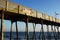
pixel 15 8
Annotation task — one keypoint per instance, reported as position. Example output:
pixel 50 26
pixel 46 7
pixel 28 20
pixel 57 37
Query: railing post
pixel 2 25
pixel 6 8
pixel 18 9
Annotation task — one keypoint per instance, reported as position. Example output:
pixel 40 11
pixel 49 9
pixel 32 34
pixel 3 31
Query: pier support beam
pixel 48 33
pixel 40 34
pixel 16 31
pixel 2 25
pixel 27 33
pixel 11 31
pixel 53 31
pixel 58 32
pixel 34 34
pixel 43 36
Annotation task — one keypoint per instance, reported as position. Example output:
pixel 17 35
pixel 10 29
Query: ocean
pixel 21 36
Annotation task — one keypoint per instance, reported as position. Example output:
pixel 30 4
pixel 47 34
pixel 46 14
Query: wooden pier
pixel 15 12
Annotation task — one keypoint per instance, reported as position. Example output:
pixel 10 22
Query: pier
pixel 14 12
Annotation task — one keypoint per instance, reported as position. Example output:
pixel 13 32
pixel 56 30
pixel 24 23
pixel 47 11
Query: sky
pixel 46 6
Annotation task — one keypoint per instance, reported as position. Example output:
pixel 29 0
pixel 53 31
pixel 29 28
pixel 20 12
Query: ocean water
pixel 21 36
